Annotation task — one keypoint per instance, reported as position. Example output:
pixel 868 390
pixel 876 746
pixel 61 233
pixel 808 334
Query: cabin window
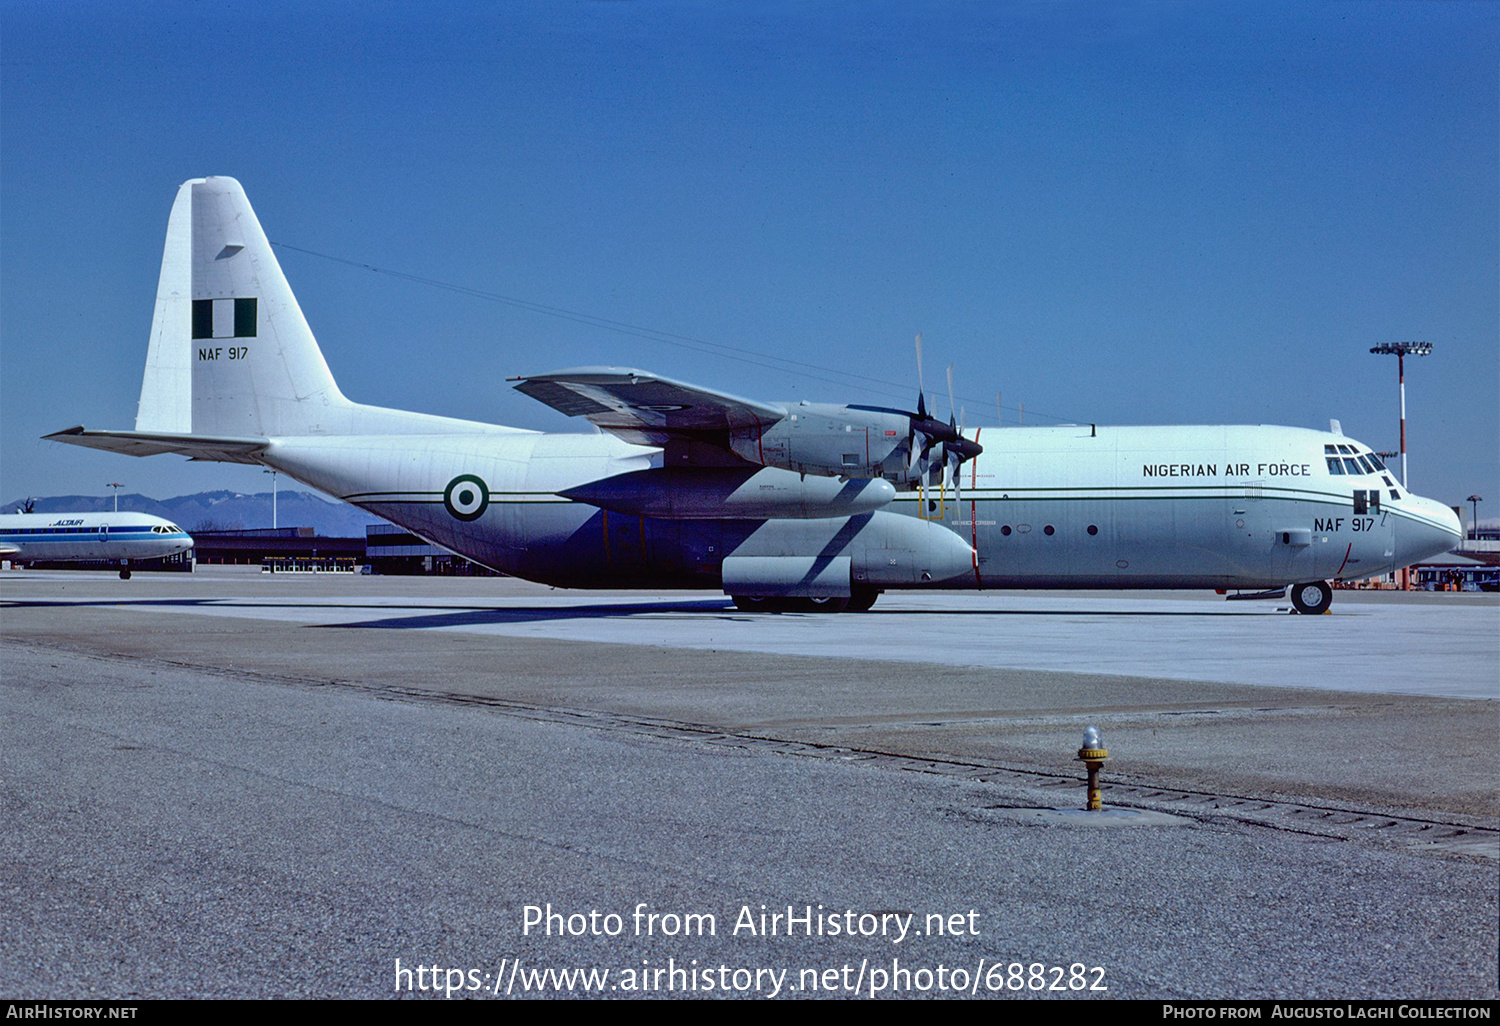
pixel 1049 530
pixel 1093 529
pixel 1005 530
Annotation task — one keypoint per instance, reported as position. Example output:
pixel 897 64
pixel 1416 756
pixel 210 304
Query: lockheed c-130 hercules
pixel 782 505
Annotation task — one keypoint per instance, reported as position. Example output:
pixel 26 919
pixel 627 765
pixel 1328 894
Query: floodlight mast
pixel 1401 349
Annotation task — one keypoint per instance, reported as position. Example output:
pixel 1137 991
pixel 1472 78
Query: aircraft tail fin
pixel 231 354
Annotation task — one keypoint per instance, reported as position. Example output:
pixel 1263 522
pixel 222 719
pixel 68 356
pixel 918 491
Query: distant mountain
pixel 223 510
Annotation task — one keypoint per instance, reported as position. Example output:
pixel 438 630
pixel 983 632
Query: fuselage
pixel 692 487
pixel 1061 507
pixel 28 537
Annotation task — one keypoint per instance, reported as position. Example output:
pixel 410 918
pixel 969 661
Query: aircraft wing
pixel 140 443
pixel 645 408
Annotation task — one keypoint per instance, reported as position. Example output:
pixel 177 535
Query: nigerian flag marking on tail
pixel 224 318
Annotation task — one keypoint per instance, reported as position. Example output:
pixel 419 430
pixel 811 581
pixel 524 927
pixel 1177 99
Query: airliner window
pixel 1352 466
pixel 1328 449
pixel 1379 465
pixel 1347 450
pixel 1334 466
pixel 1366 464
pixel 1395 494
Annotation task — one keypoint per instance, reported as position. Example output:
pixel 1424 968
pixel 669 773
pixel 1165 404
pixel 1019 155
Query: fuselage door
pixel 624 540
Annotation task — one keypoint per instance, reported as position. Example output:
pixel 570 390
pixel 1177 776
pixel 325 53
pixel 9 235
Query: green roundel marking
pixel 466 497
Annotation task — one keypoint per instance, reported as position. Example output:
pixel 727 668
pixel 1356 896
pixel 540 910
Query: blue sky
pixel 1119 213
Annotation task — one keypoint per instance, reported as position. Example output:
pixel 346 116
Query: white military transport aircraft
pixel 801 506
pixel 117 538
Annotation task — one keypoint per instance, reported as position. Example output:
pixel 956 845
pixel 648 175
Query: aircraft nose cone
pixel 1430 530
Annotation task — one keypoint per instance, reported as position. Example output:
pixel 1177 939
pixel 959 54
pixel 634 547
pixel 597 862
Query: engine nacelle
pixel 718 493
pixel 830 441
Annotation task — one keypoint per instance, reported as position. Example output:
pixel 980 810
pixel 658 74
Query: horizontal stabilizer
pixel 144 443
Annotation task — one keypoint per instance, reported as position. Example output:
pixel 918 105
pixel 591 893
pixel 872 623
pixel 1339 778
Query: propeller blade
pixel 920 443
pixel 951 411
pixel 958 463
pixel 921 392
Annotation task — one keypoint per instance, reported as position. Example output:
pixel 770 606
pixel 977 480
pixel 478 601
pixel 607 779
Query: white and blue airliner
pixel 119 538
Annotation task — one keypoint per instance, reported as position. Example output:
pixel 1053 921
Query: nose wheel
pixel 1312 598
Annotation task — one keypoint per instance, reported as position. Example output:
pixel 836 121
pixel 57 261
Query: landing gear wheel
pixel 831 604
pixel 861 599
pixel 746 604
pixel 124 575
pixel 1312 598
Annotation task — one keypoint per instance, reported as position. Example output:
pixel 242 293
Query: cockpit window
pixel 1352 465
pixel 1329 450
pixel 1347 450
pixel 1334 466
pixel 1366 464
pixel 1375 460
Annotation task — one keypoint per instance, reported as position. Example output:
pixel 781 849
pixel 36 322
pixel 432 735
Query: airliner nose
pixel 1429 530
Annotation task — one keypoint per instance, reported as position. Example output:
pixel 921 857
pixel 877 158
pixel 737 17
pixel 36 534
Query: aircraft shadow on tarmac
pixel 434 616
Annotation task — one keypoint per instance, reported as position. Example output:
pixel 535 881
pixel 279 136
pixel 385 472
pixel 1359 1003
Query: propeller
pixel 954 460
pixel 928 433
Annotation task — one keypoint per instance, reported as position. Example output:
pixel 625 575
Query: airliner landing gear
pixel 124 575
pixel 1312 598
pixel 861 598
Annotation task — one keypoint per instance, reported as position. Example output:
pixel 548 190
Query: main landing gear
pixel 1312 598
pixel 859 601
pixel 124 575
